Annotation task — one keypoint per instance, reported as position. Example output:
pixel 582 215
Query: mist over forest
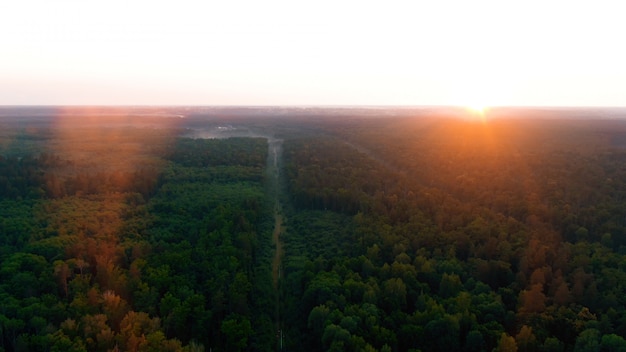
pixel 312 228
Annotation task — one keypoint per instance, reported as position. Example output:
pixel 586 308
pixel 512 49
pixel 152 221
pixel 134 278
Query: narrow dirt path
pixel 278 251
pixel 275 153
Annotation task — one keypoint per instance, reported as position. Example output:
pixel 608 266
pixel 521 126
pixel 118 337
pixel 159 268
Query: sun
pixel 477 108
pixel 478 112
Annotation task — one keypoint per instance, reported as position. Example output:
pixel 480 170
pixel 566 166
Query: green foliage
pixel 400 234
pixel 613 343
pixel 211 152
pixel 134 259
pixel 478 236
pixel 237 330
pixel 552 344
pixel 588 341
pixel 21 177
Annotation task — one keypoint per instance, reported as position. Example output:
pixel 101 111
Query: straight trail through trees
pixel 275 154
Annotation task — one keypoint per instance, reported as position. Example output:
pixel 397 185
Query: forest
pixel 411 230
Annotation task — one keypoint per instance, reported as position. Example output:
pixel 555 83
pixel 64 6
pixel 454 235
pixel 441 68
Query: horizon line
pixel 335 106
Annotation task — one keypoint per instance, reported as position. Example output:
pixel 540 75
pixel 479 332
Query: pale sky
pixel 272 52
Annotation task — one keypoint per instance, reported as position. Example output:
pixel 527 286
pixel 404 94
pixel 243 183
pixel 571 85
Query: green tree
pixel 239 290
pixel 552 344
pixel 335 335
pixel 395 293
pixel 450 285
pixel 588 341
pixel 443 334
pixel 474 341
pixel 613 343
pixel 237 330
pixel 317 319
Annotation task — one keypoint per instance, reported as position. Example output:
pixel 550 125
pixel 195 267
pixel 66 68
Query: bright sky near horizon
pixel 274 52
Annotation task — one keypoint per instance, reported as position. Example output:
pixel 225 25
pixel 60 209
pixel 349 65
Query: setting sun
pixel 477 112
pixel 479 109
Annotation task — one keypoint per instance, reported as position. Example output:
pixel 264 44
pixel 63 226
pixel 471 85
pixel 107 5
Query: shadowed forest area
pixel 398 230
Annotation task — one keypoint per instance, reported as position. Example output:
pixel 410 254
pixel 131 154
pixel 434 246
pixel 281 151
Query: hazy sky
pixel 313 52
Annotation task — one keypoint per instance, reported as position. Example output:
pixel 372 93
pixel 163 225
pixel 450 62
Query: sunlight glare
pixel 478 112
pixel 478 109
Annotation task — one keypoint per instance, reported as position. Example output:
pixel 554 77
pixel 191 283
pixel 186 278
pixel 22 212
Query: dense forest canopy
pixel 311 229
